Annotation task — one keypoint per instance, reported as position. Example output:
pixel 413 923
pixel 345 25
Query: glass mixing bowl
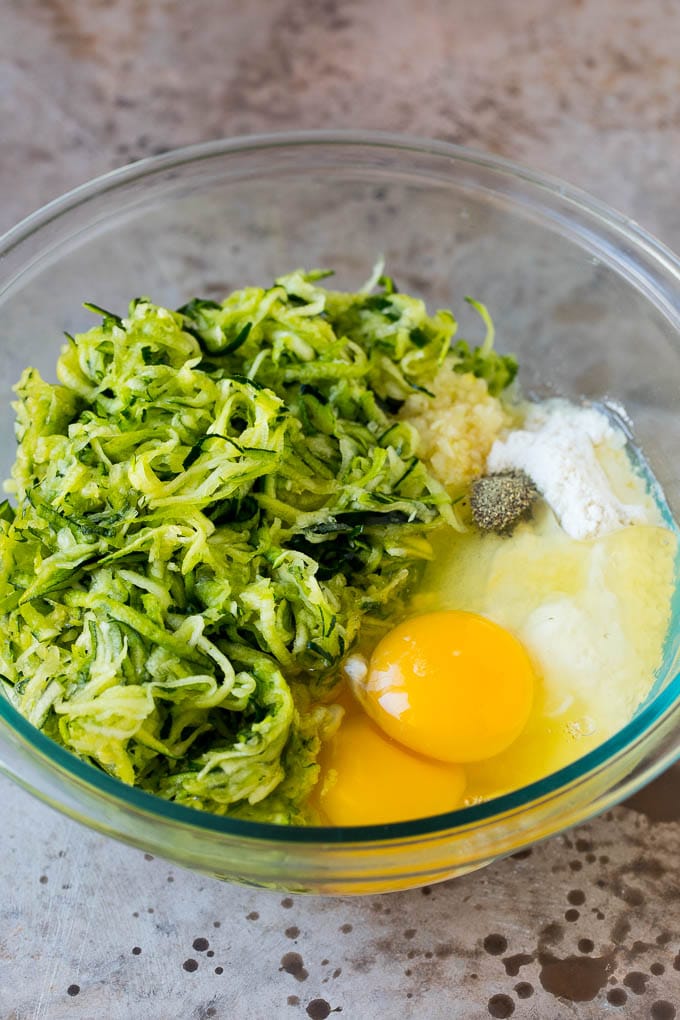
pixel 588 301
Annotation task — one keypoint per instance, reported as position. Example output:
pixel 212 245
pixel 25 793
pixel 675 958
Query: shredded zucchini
pixel 208 507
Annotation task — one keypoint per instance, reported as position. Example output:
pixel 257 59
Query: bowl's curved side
pixel 368 859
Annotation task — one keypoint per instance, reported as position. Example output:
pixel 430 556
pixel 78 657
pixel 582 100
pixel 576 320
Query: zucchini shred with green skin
pixel 209 507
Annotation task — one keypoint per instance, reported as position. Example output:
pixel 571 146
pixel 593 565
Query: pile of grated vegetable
pixel 208 509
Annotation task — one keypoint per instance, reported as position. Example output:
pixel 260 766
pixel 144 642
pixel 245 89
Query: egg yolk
pixel 370 780
pixel 451 685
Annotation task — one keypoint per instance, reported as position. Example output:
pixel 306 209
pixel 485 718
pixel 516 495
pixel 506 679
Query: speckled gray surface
pixel 585 925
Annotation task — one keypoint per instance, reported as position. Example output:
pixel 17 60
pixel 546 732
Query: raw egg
pixel 451 685
pixel 370 780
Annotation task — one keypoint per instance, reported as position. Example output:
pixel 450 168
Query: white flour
pixel 557 448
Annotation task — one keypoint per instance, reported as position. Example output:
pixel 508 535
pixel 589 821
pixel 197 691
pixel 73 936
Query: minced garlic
pixel 457 427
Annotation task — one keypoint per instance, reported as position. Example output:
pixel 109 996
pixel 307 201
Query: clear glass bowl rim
pixel 631 236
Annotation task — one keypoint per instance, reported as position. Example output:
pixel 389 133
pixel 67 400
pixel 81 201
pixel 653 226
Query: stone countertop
pixel 584 925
